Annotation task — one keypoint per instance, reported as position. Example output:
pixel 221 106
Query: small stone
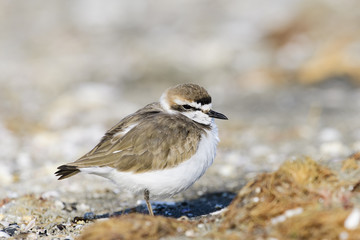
pixel 278 219
pixel 353 220
pixel 4 234
pixel 81 225
pixel 88 216
pixel 27 218
pixel 329 134
pixel 61 227
pixel 201 225
pixel 343 235
pixel 185 210
pixel 31 236
pixel 30 225
pixel 333 149
pixel 49 195
pixel 190 233
pixel 83 207
pixel 218 206
pixel 227 170
pixel 11 230
pixel 293 212
pixel 44 233
pixel 59 204
pixel 12 195
pixel 4 223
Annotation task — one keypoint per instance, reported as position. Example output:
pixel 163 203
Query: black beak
pixel 218 115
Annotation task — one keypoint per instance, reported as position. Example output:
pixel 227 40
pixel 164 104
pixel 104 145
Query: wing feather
pixel 156 140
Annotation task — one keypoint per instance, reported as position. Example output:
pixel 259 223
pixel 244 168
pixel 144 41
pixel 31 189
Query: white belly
pixel 167 182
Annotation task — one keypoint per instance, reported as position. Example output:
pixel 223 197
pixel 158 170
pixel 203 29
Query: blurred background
pixel 285 72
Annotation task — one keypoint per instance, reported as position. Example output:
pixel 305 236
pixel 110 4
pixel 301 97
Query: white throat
pixel 199 116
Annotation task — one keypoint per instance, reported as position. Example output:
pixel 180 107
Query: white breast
pixel 167 182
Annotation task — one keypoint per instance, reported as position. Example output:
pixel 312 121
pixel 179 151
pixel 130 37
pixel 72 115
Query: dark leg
pixel 147 200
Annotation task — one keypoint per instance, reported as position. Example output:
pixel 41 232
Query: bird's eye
pixel 187 107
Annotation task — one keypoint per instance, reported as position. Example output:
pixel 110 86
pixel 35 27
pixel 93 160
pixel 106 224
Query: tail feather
pixel 66 171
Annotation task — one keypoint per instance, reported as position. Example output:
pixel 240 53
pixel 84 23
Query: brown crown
pixel 190 92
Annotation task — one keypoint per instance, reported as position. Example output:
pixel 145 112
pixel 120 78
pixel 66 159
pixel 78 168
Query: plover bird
pixel 160 150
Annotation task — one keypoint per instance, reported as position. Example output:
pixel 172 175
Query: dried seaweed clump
pixel 296 185
pixel 351 163
pixel 136 226
pixel 315 223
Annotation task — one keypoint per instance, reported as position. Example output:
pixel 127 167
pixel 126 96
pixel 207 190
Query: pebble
pixel 293 212
pixel 23 160
pixel 27 218
pixel 88 215
pixel 4 234
pixel 329 135
pixel 356 146
pixel 201 225
pixel 353 220
pixel 168 213
pixel 11 229
pixel 218 212
pixel 343 235
pixel 82 207
pixel 81 225
pixel 287 214
pixel 185 210
pixel 227 170
pixel 4 223
pixel 5 175
pixel 260 150
pixel 50 194
pixel 31 236
pixel 59 204
pixel 218 206
pixel 278 219
pixel 61 227
pixel 333 149
pixel 30 225
pixel 190 233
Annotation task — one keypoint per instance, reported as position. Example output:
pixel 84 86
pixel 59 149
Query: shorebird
pixel 160 150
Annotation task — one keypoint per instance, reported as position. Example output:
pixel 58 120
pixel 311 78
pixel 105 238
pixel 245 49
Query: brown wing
pixel 115 133
pixel 158 141
pixel 100 154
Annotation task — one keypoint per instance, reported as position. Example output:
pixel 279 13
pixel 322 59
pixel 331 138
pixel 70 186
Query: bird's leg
pixel 147 200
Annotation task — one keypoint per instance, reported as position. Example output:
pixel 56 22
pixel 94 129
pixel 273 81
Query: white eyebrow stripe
pixel 117 151
pixel 206 107
pixel 196 105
